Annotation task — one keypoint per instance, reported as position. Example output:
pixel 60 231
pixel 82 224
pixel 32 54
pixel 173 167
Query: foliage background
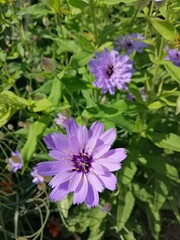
pixel 44 50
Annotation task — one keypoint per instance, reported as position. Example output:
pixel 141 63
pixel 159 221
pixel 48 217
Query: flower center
pixel 110 70
pixel 129 44
pixel 82 162
pixel 177 55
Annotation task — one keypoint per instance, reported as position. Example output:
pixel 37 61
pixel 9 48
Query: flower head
pixel 61 120
pixel 111 70
pixel 83 162
pixel 173 56
pixel 36 177
pixel 15 161
pixel 131 42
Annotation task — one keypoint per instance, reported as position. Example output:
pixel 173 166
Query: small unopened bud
pixel 10 127
pixel 1 135
pixel 29 88
pixel 45 21
pixel 48 64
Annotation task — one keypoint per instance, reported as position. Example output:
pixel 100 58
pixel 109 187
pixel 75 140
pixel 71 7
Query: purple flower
pixel 15 161
pixel 111 70
pixel 131 42
pixel 83 162
pixel 131 97
pixel 173 56
pixel 37 178
pixel 61 120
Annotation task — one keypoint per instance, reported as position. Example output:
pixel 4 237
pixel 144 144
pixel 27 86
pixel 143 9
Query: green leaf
pixel 155 105
pixel 96 223
pixel 142 193
pixel 169 141
pixel 55 5
pixel 161 190
pixel 111 2
pixel 159 165
pixel 36 10
pixel 73 84
pixel 37 106
pixel 78 3
pixel 174 207
pixel 178 106
pixel 12 100
pixel 80 59
pixel 9 104
pixel 64 205
pixel 78 220
pixel 45 88
pixel 171 104
pixel 129 236
pixel 153 220
pixel 172 70
pixel 125 207
pixel 164 28
pixel 124 122
pixel 56 90
pixel 128 172
pixel 5 114
pixel 35 132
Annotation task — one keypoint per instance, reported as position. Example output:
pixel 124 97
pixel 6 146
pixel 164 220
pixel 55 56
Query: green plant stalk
pixel 58 23
pixel 93 9
pixel 160 53
pixel 147 27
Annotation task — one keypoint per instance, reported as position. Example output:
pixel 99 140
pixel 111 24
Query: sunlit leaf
pixel 125 207
pixel 164 28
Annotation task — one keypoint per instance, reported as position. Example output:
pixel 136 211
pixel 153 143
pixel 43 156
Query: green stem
pixel 150 13
pixel 58 23
pixel 93 8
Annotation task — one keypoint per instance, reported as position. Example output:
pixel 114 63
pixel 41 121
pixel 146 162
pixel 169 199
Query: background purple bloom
pixel 15 161
pixel 83 162
pixel 111 70
pixel 129 43
pixel 174 56
pixel 61 120
pixel 36 177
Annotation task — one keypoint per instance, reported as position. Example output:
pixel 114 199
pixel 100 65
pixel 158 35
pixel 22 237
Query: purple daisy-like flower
pixel 111 70
pixel 15 161
pixel 130 42
pixel 36 177
pixel 61 120
pixel 173 56
pixel 83 162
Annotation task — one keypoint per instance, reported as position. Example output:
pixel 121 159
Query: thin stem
pixel 150 13
pixel 93 8
pixel 58 23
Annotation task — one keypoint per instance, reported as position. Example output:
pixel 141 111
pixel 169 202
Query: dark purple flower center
pixel 82 162
pixel 129 44
pixel 177 55
pixel 109 70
